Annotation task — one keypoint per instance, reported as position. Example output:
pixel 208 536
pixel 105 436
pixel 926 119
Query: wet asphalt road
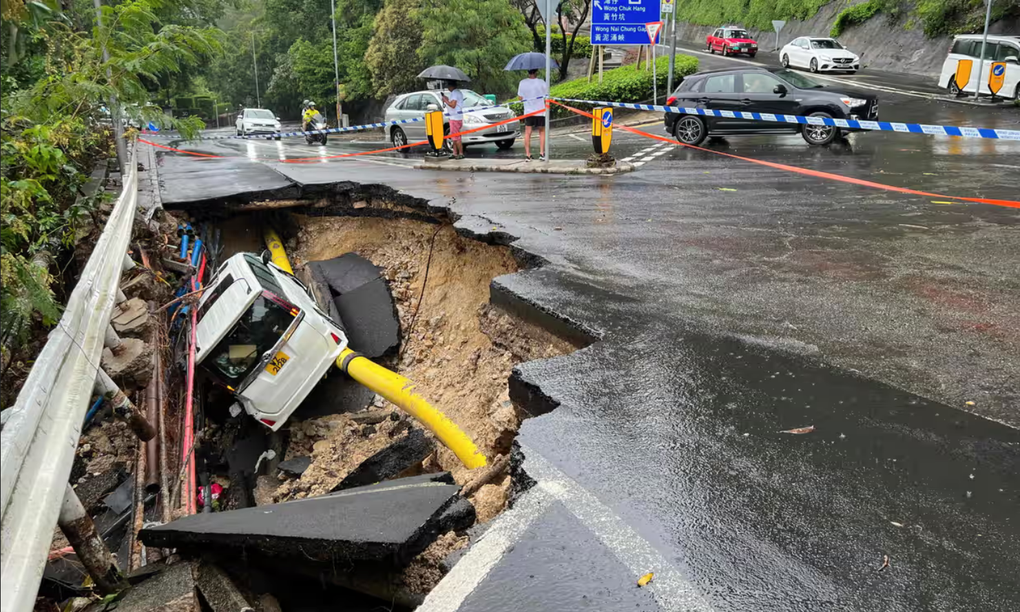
pixel 734 301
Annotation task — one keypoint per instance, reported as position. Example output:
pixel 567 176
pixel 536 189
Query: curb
pixel 520 168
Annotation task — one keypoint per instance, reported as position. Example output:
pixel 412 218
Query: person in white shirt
pixel 455 107
pixel 533 91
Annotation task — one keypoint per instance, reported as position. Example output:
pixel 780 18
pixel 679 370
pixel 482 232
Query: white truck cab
pixel 261 335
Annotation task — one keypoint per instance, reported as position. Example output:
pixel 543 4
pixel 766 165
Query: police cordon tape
pixel 352 128
pixel 320 158
pixel 804 171
pixel 855 124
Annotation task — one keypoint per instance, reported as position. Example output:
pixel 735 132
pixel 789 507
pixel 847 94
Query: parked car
pixel 257 121
pixel 731 40
pixel 819 55
pixel 778 91
pixel 998 49
pixel 416 104
pixel 262 337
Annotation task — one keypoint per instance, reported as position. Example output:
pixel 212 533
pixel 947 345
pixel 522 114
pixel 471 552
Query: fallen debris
pixel 295 466
pixel 799 430
pixel 644 580
pixel 387 523
pixel 885 563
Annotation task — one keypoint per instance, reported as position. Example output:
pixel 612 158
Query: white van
pixel 261 335
pixel 999 49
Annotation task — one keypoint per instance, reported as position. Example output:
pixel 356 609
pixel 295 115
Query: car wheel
pixel 690 130
pixel 711 49
pixel 786 60
pixel 505 145
pixel 953 88
pixel 1016 92
pixel 398 137
pixel 725 51
pixel 814 65
pixel 819 134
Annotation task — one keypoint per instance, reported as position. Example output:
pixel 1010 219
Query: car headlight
pixel 826 58
pixel 473 119
pixel 277 126
pixel 853 102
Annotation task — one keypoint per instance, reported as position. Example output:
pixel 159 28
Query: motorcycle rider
pixel 309 113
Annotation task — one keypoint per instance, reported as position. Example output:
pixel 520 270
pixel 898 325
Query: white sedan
pixel 819 55
pixel 257 121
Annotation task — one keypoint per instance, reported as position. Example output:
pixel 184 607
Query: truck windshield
pixel 258 330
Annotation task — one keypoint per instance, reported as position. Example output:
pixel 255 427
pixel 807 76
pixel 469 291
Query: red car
pixel 731 40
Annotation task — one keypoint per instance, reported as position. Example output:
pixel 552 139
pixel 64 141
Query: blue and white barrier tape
pixel 353 128
pixel 885 126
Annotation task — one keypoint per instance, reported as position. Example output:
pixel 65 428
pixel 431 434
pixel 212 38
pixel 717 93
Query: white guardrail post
pixel 40 435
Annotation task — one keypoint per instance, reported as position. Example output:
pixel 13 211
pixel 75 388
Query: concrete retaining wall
pixel 883 43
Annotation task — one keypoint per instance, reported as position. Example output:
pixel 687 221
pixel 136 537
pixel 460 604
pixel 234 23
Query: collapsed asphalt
pixel 733 299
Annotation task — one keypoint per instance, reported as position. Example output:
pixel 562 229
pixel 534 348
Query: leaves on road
pixel 885 563
pixel 799 430
pixel 644 580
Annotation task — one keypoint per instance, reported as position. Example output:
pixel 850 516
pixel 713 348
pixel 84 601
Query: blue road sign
pixel 999 69
pixel 622 22
pixel 607 117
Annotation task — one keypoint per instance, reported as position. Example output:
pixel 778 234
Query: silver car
pixel 416 104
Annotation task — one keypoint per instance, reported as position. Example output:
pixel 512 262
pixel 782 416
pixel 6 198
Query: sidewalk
pixel 565 166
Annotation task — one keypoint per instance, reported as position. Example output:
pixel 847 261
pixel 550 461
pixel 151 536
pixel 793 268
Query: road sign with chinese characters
pixel 622 22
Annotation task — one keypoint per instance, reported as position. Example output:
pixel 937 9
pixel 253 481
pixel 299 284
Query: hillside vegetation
pixel 936 17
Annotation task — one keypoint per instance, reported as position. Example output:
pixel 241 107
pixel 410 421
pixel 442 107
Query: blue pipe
pixel 92 411
pixel 196 252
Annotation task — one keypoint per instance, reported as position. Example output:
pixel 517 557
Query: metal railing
pixel 40 433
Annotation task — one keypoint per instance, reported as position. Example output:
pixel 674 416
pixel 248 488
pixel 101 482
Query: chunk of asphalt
pixel 95 488
pixel 346 273
pixel 121 498
pixel 336 394
pixel 386 523
pixel 405 452
pixel 458 516
pixel 295 466
pixel 219 591
pixel 370 317
pixel 171 590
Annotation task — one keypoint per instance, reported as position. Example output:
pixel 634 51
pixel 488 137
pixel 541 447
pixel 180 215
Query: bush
pixel 623 84
pixel 582 47
pixel 854 15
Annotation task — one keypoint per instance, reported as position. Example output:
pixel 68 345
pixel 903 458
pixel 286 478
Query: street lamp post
pixel 254 63
pixel 548 70
pixel 336 61
pixel 984 43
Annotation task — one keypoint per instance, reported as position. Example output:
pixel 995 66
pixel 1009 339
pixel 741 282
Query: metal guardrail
pixel 40 435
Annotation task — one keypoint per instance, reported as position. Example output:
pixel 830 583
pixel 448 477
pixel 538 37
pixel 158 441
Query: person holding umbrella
pixel 533 91
pixel 455 108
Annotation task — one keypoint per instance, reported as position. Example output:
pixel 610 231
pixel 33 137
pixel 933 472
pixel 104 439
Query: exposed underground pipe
pixel 123 407
pixel 152 464
pixel 81 533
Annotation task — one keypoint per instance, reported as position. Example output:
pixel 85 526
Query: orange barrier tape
pixel 319 158
pixel 805 171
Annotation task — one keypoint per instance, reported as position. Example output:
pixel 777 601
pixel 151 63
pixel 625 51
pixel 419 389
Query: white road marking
pixel 484 554
pixel 669 587
pixel 576 137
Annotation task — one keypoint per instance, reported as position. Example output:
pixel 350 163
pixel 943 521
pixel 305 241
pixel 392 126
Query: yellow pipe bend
pixel 275 246
pixel 400 391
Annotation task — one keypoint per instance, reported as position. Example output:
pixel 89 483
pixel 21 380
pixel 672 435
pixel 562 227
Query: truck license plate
pixel 276 363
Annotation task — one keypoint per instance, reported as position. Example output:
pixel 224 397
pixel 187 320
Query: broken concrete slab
pixel 370 317
pixel 171 590
pixel 295 466
pixel 219 591
pixel 335 395
pixel 404 453
pixel 94 488
pixel 132 369
pixel 346 273
pixel 387 523
pixel 141 286
pixel 132 318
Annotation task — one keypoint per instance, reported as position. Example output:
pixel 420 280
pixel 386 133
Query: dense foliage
pixel 60 71
pixel 937 17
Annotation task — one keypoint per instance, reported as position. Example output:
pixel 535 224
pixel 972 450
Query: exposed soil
pixel 428 568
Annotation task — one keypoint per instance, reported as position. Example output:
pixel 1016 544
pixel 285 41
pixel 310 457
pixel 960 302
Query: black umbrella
pixel 444 73
pixel 529 61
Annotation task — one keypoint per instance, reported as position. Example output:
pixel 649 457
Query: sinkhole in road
pixel 457 345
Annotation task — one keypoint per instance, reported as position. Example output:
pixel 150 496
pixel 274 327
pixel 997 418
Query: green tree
pixel 477 36
pixel 392 56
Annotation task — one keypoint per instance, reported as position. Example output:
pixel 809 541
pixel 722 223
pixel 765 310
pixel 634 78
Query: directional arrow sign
pixel 653 31
pixel 622 22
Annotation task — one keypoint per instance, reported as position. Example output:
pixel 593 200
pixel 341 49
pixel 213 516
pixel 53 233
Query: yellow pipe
pixel 400 391
pixel 275 246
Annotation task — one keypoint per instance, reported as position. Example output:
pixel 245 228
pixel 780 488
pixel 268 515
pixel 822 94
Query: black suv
pixel 763 90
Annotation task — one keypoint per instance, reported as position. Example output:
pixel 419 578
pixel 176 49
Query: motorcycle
pixel 316 124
